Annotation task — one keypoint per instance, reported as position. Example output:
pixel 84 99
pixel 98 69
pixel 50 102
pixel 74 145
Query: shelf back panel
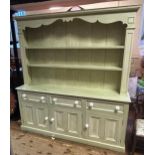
pixel 84 79
pixel 77 33
pixel 105 58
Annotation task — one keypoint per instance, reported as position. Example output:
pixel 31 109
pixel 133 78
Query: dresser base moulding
pixel 75 139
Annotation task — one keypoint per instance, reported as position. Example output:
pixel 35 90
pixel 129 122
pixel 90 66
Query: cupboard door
pixel 112 129
pixel 65 120
pixel 94 126
pixel 104 128
pixel 57 120
pixel 74 122
pixel 65 115
pixel 41 116
pixel 28 114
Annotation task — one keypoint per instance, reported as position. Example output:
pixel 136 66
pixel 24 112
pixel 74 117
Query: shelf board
pixel 94 93
pixel 75 48
pixel 75 66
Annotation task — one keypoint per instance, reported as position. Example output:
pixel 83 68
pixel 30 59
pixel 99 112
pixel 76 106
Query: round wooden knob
pixel 117 108
pixel 46 118
pixel 76 102
pixel 52 120
pixel 91 104
pixel 54 99
pixel 42 98
pixel 86 126
pixel 24 95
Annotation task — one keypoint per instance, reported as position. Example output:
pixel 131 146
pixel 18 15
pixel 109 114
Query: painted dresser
pixel 76 68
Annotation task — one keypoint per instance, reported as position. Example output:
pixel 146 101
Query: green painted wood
pixel 28 114
pixel 71 60
pixel 66 116
pixel 76 139
pixel 75 48
pixel 41 116
pixel 73 35
pixel 127 60
pixel 94 93
pixel 70 66
pixel 104 121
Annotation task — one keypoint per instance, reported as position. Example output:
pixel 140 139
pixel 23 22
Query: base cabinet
pixel 66 116
pixel 35 115
pixel 90 122
pixel 104 128
pixel 66 121
pixel 104 122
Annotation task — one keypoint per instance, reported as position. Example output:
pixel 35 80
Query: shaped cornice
pixel 37 21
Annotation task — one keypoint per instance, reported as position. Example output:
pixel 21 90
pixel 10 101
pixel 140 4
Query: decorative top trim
pixel 103 18
pixel 78 13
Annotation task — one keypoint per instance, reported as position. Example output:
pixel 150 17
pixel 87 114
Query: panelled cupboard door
pixel 65 120
pixel 103 128
pixel 74 122
pixel 112 129
pixel 41 115
pixel 57 120
pixel 94 126
pixel 28 114
pixel 35 115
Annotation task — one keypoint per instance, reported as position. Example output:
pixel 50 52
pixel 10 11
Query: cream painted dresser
pixel 76 68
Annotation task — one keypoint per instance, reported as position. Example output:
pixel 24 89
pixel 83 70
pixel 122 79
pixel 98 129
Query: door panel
pixel 104 128
pixel 28 114
pixel 95 126
pixel 59 121
pixel 113 129
pixel 41 113
pixel 110 130
pixel 65 120
pixel 74 122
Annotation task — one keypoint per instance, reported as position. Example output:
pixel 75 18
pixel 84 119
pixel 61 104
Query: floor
pixel 24 143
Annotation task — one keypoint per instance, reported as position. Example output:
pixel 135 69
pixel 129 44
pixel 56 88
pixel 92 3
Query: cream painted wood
pixel 76 68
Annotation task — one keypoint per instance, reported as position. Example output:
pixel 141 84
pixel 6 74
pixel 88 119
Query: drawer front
pixel 104 106
pixel 66 101
pixel 33 97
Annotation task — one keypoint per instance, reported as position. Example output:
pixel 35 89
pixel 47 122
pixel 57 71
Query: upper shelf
pixel 75 48
pixel 75 66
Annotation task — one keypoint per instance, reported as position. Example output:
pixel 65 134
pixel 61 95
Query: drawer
pixel 66 101
pixel 33 97
pixel 105 106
